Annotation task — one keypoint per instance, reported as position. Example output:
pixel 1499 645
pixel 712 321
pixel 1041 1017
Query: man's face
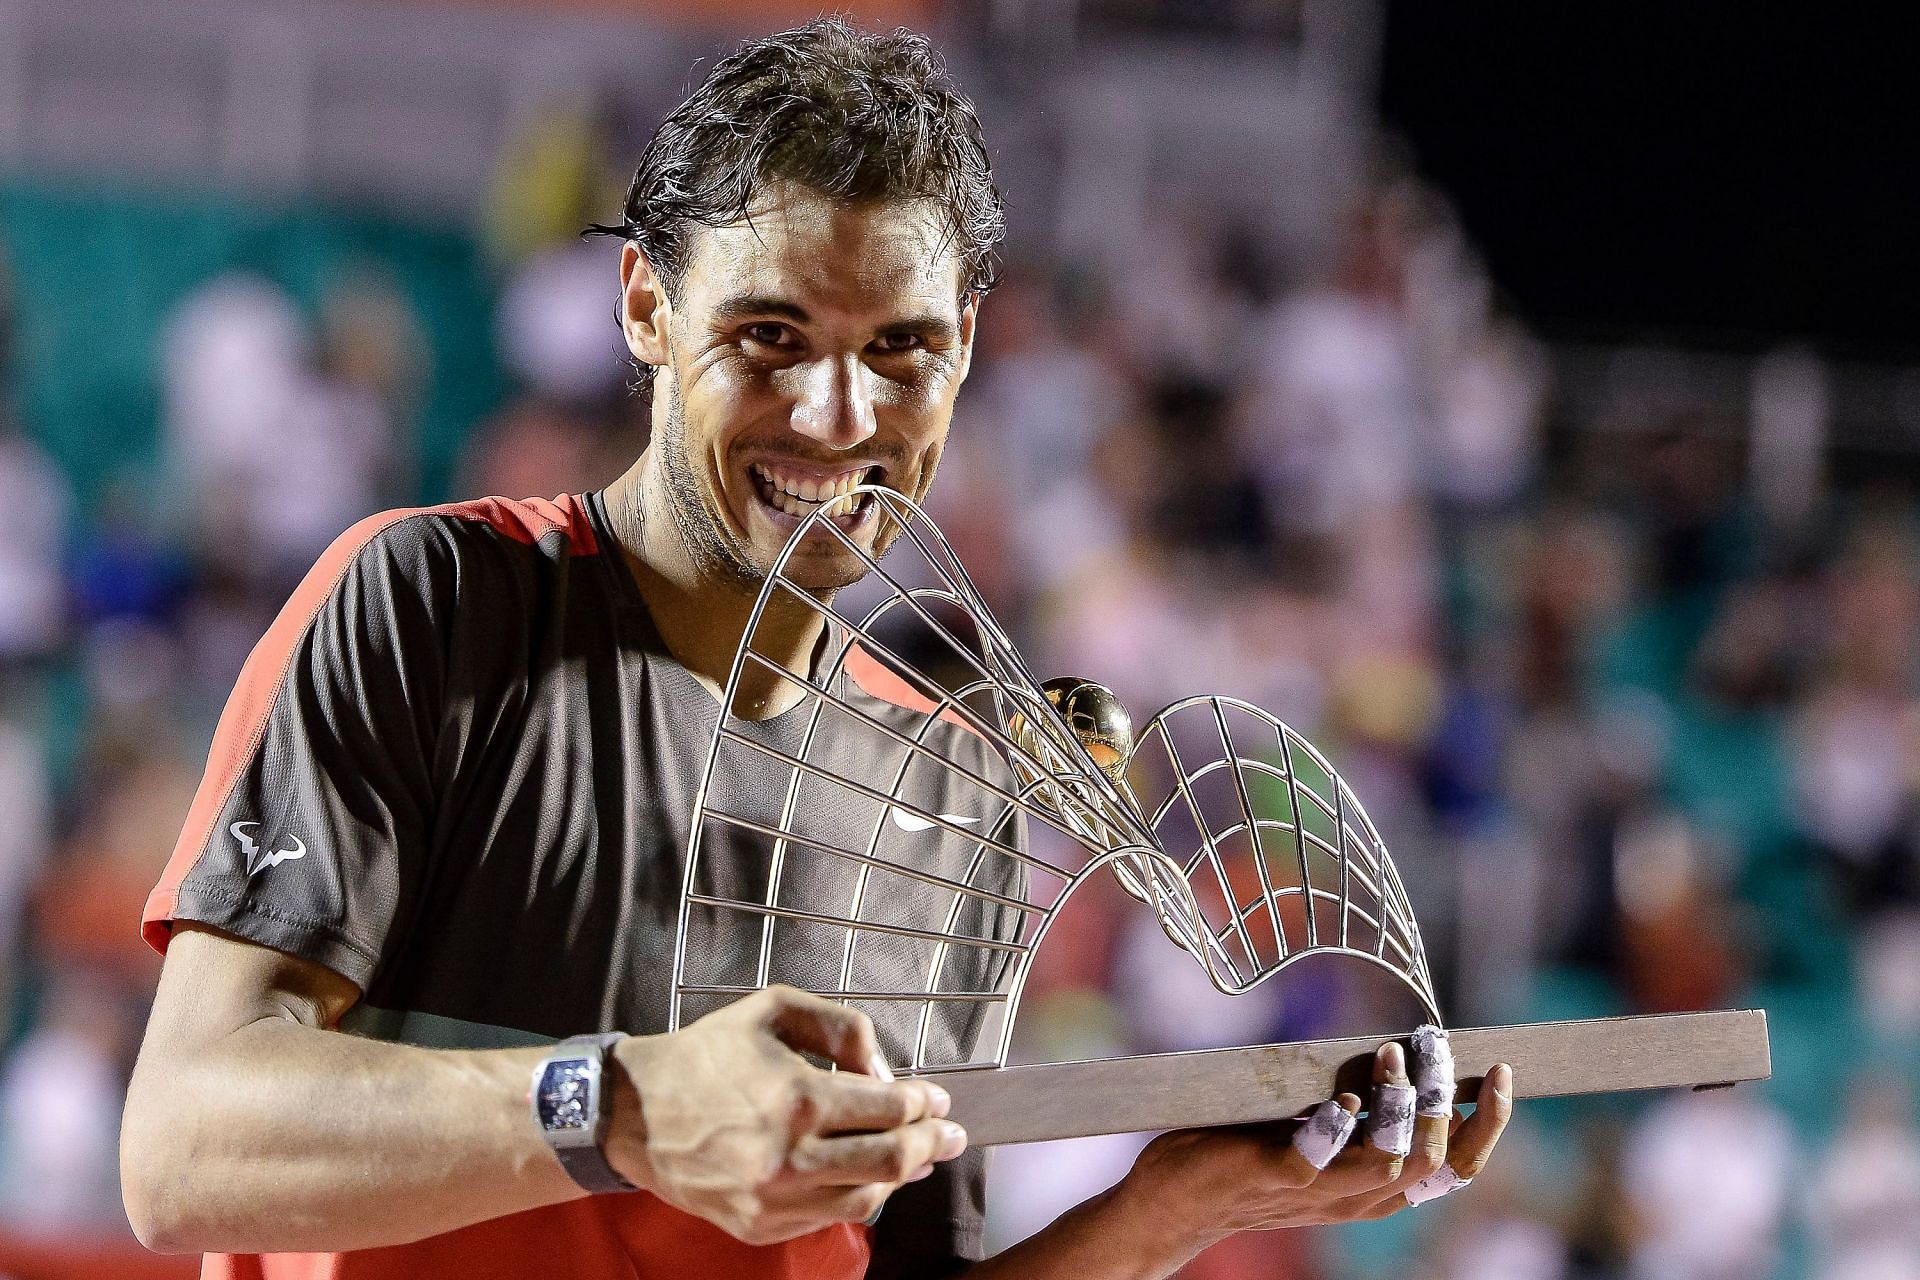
pixel 816 345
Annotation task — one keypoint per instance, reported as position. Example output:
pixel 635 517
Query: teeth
pixel 802 495
pixel 809 489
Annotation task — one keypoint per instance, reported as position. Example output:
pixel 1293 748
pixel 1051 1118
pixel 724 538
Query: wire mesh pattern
pixel 870 842
pixel 1281 859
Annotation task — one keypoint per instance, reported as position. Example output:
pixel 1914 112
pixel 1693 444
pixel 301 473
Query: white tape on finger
pixel 1390 1119
pixel 1322 1134
pixel 1432 1070
pixel 1441 1182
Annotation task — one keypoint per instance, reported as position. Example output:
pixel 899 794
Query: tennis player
pixel 429 877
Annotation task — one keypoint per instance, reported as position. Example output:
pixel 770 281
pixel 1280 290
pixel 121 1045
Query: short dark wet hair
pixel 855 115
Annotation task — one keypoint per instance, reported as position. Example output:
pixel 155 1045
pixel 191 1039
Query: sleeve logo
pixel 258 861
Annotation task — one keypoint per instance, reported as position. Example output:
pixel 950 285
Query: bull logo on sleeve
pixel 257 861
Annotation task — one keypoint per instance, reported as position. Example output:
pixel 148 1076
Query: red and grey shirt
pixel 459 770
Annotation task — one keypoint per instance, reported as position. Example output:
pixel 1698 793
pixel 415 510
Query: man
pixel 445 804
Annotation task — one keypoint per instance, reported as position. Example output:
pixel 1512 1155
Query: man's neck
pixel 701 614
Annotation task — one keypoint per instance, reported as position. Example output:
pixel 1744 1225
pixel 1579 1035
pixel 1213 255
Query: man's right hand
pixel 726 1120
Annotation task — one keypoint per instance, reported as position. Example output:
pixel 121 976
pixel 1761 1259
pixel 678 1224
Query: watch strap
pixel 588 1166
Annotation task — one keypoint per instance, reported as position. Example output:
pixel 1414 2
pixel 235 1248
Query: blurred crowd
pixel 1642 737
pixel 1639 739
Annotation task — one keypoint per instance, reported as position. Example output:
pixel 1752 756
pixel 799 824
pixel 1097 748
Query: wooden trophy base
pixel 1279 1081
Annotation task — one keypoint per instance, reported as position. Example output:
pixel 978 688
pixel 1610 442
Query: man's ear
pixel 644 310
pixel 969 314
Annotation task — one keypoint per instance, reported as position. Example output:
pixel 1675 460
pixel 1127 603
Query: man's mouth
pixel 799 493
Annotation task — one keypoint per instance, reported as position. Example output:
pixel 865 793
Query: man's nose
pixel 835 405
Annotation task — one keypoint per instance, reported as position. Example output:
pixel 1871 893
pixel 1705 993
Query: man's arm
pixel 252 1128
pixel 1192 1188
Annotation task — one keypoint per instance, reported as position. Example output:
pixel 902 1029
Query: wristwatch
pixel 571 1098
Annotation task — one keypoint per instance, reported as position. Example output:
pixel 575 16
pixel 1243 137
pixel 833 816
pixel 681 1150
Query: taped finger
pixel 1390 1119
pixel 1321 1135
pixel 1433 1071
pixel 1367 1167
pixel 1441 1182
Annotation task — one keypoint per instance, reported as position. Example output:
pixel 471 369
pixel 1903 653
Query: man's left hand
pixel 1211 1183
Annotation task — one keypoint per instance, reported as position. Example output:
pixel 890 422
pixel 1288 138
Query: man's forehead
pixel 795 242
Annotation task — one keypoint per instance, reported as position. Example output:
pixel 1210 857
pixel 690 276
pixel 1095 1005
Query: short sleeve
pixel 309 828
pixel 934 1227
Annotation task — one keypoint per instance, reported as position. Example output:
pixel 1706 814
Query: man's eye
pixel 767 334
pixel 894 343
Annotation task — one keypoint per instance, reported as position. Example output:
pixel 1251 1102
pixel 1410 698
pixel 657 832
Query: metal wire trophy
pixel 870 845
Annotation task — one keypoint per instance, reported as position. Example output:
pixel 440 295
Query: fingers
pixel 1320 1137
pixel 1432 1071
pixel 1429 1151
pixel 864 1097
pixel 816 1210
pixel 1390 1118
pixel 1431 1065
pixel 855 1204
pixel 847 1103
pixel 1442 1181
pixel 817 1025
pixel 1405 1142
pixel 1368 1167
pixel 1473 1142
pixel 893 1157
pixel 1493 1107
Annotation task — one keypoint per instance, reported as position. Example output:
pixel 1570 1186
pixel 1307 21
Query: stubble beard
pixel 708 544
pixel 715 552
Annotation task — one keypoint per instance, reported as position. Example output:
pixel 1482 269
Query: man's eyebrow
pixel 742 305
pixel 930 325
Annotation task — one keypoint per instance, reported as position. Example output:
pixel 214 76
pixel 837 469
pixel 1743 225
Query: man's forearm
pixel 291 1138
pixel 1108 1237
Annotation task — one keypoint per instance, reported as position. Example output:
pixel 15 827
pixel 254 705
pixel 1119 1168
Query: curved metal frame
pixel 1051 780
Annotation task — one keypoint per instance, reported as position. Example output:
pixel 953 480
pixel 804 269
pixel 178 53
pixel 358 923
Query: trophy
pixel 870 844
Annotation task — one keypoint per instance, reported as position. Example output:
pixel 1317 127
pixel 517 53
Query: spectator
pixel 25 836
pixel 37 502
pixel 1864 1204
pixel 282 445
pixel 1708 1176
pixel 60 1099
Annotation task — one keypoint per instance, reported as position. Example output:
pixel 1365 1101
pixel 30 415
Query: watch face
pixel 566 1095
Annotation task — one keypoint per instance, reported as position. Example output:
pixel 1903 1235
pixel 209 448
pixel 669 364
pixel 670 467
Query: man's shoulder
pixel 561 522
pixel 555 526
pixel 912 712
pixel 455 548
pixel 893 694
pixel 483 560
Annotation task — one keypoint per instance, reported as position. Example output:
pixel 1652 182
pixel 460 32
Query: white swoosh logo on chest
pixel 914 822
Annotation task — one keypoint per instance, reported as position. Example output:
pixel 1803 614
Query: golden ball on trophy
pixel 1097 719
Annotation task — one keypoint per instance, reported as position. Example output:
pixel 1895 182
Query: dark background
pixel 1721 174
